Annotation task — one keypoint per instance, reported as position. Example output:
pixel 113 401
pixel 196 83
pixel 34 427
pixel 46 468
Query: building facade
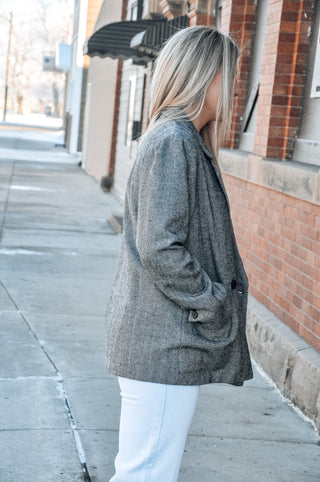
pixel 85 18
pixel 101 100
pixel 270 167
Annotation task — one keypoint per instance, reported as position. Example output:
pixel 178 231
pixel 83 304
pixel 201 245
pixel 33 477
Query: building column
pixel 282 77
pixel 201 12
pixel 112 156
pixel 172 8
pixel 237 19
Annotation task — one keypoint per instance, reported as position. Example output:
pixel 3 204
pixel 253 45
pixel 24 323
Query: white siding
pixel 76 73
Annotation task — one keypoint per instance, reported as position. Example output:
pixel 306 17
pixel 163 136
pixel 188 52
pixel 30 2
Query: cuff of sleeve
pixel 201 316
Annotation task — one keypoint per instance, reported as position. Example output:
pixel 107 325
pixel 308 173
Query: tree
pixel 38 26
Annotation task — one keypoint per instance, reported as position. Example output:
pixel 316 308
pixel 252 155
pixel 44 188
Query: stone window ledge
pixel 290 177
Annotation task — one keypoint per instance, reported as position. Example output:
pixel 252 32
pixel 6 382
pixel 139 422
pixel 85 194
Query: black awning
pixel 113 40
pixel 152 39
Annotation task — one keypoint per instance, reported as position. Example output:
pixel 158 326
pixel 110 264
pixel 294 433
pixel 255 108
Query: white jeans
pixel 154 424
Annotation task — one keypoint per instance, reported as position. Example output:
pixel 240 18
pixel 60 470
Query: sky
pixel 16 6
pixel 13 4
pixel 23 7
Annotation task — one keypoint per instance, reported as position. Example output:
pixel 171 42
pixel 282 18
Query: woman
pixel 176 317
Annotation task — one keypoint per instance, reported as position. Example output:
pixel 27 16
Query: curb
pixel 287 359
pixel 116 222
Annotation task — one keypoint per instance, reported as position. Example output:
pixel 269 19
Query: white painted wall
pixel 99 110
pixel 75 78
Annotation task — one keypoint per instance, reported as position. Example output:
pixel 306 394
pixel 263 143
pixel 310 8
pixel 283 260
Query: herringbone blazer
pixel 177 311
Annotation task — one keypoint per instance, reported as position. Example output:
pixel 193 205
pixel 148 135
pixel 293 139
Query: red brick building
pixel 271 169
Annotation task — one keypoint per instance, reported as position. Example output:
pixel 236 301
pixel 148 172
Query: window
pixel 137 123
pixel 134 11
pixel 315 88
pixel 135 106
pixel 130 111
pixel 136 8
pixel 307 146
pixel 218 13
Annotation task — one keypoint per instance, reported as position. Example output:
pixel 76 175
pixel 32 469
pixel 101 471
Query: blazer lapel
pixel 211 159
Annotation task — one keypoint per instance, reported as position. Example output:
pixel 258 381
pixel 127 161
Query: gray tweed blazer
pixel 177 311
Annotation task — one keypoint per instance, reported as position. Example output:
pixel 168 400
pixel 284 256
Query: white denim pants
pixel 154 424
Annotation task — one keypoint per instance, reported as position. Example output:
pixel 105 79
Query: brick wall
pixel 279 240
pixel 278 235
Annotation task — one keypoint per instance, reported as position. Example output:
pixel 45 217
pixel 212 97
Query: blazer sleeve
pixel 166 196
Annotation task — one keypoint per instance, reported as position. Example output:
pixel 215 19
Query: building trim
pixel 294 178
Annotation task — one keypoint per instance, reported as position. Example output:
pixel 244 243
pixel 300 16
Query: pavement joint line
pixel 286 400
pixel 55 313
pixel 10 297
pixel 78 231
pixel 6 201
pixel 49 377
pixel 212 437
pixel 260 439
pixel 33 377
pixel 218 437
pixel 114 430
pixel 44 250
pixel 76 434
pixel 29 327
pixel 33 429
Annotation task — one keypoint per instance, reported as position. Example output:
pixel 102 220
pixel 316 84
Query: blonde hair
pixel 184 69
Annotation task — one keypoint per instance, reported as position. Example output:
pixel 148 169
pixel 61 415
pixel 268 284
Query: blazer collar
pixel 209 154
pixel 200 139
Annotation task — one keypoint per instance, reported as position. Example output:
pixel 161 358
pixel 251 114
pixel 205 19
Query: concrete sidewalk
pixel 59 409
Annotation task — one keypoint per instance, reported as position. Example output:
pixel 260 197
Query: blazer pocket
pixel 220 297
pixel 223 328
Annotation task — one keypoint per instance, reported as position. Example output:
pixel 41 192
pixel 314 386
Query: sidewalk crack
pixel 76 435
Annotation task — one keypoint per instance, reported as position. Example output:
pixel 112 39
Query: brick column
pixel 112 156
pixel 172 8
pixel 282 77
pixel 201 12
pixel 238 17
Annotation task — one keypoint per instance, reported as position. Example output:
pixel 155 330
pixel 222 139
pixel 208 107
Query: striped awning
pixel 152 39
pixel 114 39
pixel 139 40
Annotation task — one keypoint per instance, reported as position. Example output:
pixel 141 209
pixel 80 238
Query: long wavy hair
pixel 183 71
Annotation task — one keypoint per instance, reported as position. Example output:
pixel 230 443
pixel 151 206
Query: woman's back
pixel 171 232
